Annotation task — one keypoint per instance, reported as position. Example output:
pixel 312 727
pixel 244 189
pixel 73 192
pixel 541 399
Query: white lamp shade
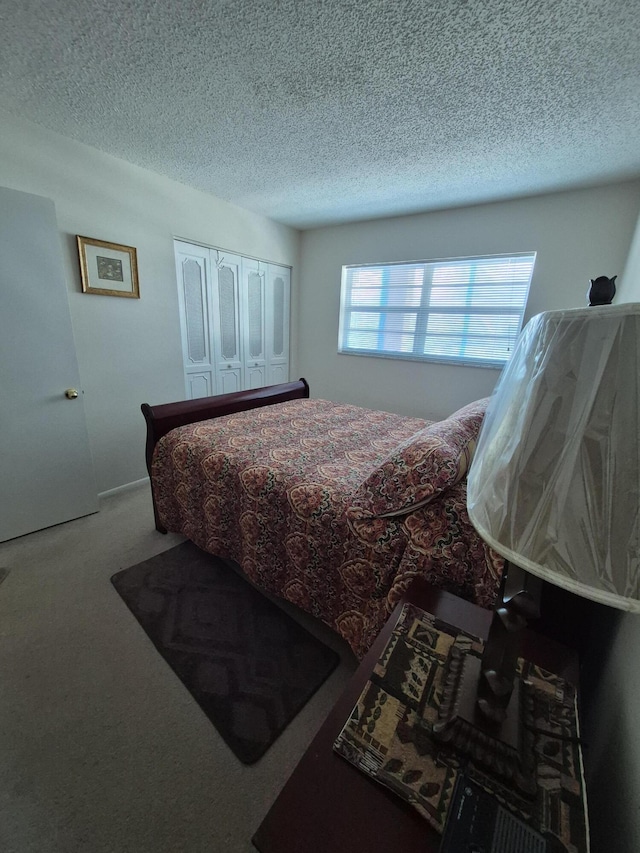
pixel 554 486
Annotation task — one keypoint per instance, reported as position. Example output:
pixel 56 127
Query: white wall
pixel 577 235
pixel 614 744
pixel 128 350
pixel 628 290
pixel 612 756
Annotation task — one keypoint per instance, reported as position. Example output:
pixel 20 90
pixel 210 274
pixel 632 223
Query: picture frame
pixel 108 269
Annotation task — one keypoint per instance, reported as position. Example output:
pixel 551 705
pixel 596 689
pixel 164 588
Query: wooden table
pixel 328 806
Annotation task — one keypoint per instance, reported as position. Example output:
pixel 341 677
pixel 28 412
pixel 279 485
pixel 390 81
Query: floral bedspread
pixel 280 490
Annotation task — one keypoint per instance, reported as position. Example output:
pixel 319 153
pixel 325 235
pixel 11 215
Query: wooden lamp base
pixel 486 712
pixel 504 748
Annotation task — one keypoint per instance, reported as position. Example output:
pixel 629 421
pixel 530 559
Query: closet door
pixel 194 296
pixel 277 325
pixel 254 274
pixel 234 319
pixel 226 322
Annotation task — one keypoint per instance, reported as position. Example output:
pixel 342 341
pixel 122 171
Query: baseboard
pixel 125 488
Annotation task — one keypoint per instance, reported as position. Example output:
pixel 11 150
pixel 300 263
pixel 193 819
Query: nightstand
pixel 327 805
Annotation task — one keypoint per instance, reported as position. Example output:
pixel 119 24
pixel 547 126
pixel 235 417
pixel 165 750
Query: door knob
pixel 71 393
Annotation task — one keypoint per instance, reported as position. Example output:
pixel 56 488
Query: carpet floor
pixel 247 663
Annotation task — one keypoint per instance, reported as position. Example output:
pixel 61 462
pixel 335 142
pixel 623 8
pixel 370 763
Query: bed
pixel 333 507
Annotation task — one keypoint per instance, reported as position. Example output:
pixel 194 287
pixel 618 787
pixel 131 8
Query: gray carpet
pixel 104 751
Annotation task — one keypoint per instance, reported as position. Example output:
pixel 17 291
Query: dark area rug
pixel 248 664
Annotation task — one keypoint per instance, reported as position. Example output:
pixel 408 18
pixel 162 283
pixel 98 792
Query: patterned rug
pixel 247 663
pixel 389 735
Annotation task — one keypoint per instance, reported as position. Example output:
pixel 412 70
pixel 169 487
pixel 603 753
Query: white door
pixel 46 470
pixel 194 295
pixel 226 318
pixel 277 338
pixel 253 310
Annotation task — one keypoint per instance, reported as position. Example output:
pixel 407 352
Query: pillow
pixel 423 466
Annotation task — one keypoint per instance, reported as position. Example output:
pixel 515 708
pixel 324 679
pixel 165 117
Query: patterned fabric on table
pixel 276 490
pixel 389 733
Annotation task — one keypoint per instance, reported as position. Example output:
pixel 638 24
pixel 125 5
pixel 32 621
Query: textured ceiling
pixel 319 111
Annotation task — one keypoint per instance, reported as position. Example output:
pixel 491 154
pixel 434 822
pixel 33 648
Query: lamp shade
pixel 554 486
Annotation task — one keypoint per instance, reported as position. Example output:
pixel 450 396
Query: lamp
pixel 554 488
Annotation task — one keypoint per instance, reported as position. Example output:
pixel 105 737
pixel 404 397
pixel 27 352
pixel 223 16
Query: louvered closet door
pixel 277 325
pixel 227 318
pixel 194 295
pixel 254 274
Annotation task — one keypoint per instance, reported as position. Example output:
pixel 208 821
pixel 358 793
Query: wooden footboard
pixel 161 419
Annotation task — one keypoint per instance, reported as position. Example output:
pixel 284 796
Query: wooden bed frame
pixel 162 419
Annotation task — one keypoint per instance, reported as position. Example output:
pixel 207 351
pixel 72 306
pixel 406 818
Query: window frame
pixel 424 309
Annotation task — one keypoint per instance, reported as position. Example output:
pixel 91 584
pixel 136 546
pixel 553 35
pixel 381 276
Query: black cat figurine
pixel 602 290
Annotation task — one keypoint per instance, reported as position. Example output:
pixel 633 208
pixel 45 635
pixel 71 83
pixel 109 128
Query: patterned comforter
pixel 332 507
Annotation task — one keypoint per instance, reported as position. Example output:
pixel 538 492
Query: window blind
pixel 465 310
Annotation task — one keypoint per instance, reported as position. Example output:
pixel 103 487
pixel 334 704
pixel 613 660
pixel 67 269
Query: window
pixel 462 310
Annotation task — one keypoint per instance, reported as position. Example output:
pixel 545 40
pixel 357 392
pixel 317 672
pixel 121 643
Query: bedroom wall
pixel 612 755
pixel 628 290
pixel 128 350
pixel 577 235
pixel 611 730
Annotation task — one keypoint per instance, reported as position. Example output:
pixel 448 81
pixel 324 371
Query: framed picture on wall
pixel 108 268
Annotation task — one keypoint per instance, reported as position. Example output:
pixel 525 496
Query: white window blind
pixel 464 310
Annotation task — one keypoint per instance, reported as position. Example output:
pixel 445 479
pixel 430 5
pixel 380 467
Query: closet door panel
pixel 277 326
pixel 254 275
pixel 277 373
pixel 198 385
pixel 227 321
pixel 256 375
pixel 194 296
pixel 230 379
